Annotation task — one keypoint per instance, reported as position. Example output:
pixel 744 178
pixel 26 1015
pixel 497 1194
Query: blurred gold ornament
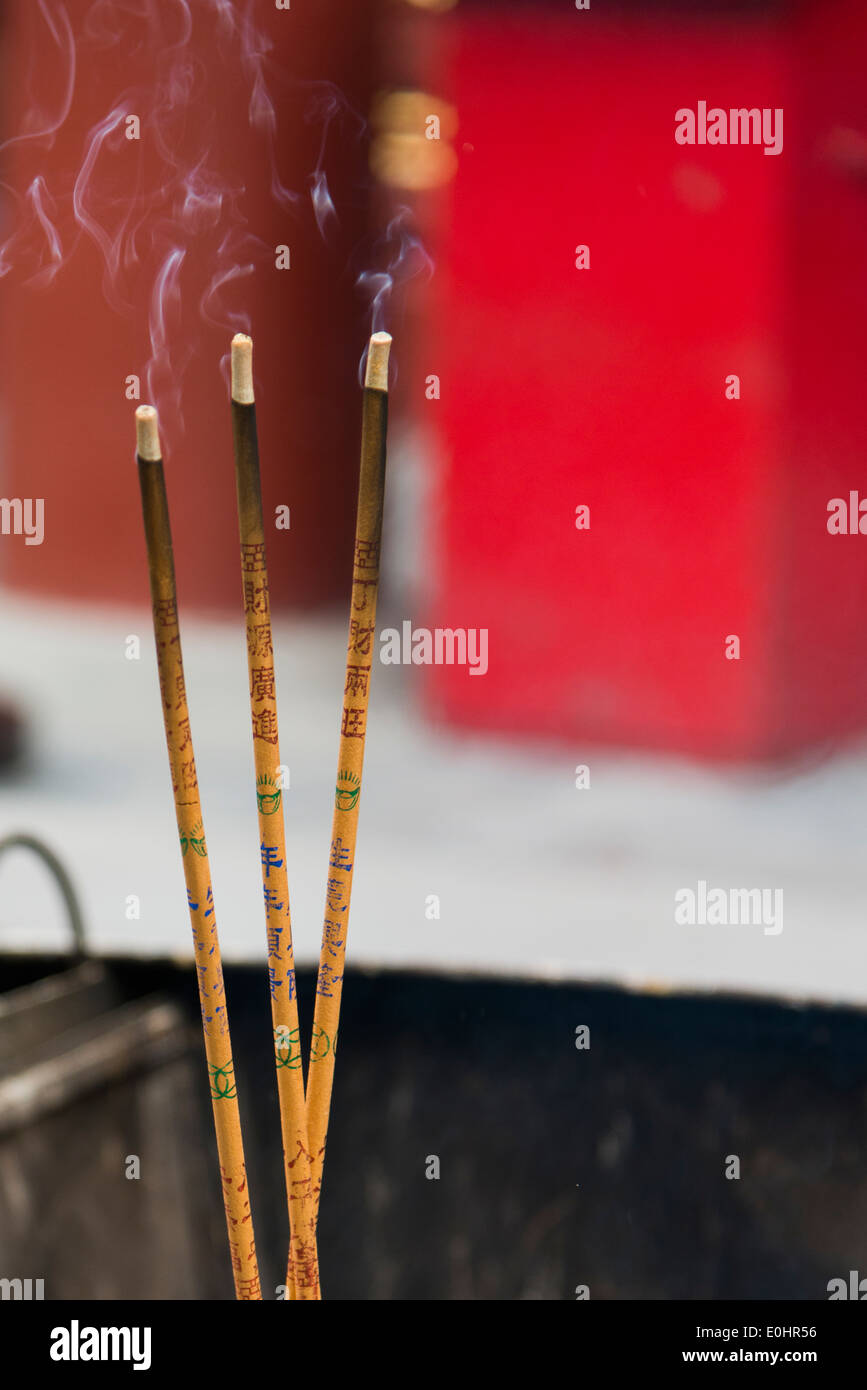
pixel 411 149
pixel 440 5
pixel 411 162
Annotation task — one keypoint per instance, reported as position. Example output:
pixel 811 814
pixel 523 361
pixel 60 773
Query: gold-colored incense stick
pixel 359 660
pixel 200 898
pixel 303 1270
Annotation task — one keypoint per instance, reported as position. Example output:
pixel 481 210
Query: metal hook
pixel 62 879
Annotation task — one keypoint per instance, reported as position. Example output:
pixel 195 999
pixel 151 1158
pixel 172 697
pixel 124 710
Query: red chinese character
pixel 255 596
pixel 265 726
pixel 360 597
pixel 262 686
pixel 366 555
pixel 188 774
pixel 360 638
pixel 356 680
pixel 166 612
pixel 253 557
pixel 259 640
pixel 353 723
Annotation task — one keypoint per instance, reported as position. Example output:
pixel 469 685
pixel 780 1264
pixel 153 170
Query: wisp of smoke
pixel 39 126
pixel 182 223
pixel 406 260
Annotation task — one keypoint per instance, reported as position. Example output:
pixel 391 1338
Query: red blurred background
pixel 606 387
pixel 67 353
pixel 560 387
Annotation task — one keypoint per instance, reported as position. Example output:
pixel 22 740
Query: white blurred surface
pixel 534 877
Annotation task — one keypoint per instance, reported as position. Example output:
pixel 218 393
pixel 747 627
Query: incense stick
pixel 359 660
pixel 200 898
pixel 303 1272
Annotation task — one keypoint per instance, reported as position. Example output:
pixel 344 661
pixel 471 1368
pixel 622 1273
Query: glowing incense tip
pixel 242 369
pixel 376 371
pixel 147 434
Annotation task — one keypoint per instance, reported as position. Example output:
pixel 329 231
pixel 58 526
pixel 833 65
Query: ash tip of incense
pixel 376 371
pixel 147 434
pixel 242 369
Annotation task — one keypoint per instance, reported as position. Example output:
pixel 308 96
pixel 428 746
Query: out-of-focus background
pixel 626 396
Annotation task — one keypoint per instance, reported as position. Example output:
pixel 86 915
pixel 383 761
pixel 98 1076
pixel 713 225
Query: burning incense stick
pixel 200 898
pixel 359 660
pixel 303 1275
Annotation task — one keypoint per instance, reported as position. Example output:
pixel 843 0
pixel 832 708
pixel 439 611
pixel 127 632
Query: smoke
pixel 36 239
pixel 163 375
pixel 40 126
pixel 44 211
pixel 326 103
pixel 149 190
pixel 107 133
pixel 406 259
pixel 323 206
